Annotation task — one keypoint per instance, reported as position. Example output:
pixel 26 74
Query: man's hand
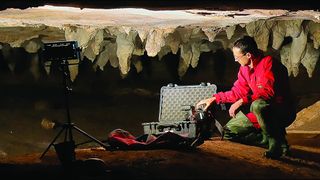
pixel 234 107
pixel 205 103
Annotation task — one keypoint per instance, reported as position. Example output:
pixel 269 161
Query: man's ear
pixel 249 55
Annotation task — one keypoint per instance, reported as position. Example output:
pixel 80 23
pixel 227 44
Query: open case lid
pixel 174 99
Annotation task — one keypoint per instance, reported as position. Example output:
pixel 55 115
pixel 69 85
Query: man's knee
pixel 258 106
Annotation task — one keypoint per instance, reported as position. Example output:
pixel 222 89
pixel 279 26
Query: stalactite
pixel 297 51
pixel 34 66
pixel 185 34
pixel 314 29
pixel 260 30
pixel 32 45
pixel 195 47
pixel 125 47
pixel 310 59
pixel 278 34
pixel 173 40
pixel 73 68
pixel 137 63
pixel 285 57
pixel 156 40
pixel 118 44
pixel 103 58
pixel 211 33
pixel 7 55
pixel 185 60
pixel 164 51
pixel 230 31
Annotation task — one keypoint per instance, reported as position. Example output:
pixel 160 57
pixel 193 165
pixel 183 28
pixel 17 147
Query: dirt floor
pixel 213 159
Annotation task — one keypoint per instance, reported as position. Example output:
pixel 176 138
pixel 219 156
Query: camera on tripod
pixel 60 53
pixel 57 51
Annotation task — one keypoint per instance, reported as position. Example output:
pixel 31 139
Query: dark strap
pixel 219 127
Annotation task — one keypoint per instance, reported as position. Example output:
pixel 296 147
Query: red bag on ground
pixel 121 139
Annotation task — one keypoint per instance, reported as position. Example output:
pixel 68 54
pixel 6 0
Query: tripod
pixel 69 126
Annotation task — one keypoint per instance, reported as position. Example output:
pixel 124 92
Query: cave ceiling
pixel 119 36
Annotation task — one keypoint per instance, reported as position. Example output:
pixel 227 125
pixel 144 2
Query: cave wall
pixel 104 100
pixel 122 69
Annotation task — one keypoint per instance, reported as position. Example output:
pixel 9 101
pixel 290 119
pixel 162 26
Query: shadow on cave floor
pixel 213 159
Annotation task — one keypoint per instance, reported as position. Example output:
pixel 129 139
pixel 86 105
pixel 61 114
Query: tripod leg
pixel 63 128
pixel 91 137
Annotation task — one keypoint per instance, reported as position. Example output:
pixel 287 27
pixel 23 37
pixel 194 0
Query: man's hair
pixel 247 44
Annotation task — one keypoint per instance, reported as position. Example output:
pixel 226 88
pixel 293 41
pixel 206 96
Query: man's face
pixel 242 59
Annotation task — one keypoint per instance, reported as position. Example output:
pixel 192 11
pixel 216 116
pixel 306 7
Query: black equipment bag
pixel 178 115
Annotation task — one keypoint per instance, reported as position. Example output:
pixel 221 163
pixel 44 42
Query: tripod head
pixel 62 56
pixel 57 51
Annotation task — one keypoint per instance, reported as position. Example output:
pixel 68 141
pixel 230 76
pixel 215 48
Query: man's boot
pixel 255 138
pixel 269 129
pixel 264 139
pixel 284 145
pixel 274 150
pixel 285 149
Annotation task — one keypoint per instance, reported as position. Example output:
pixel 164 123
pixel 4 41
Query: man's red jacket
pixel 251 84
pixel 266 80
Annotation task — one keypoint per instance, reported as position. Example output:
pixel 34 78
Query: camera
pixel 64 50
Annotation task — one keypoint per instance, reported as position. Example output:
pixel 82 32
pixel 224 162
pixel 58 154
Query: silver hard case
pixel 173 114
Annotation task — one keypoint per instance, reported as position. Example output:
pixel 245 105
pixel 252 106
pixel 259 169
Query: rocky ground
pixel 213 159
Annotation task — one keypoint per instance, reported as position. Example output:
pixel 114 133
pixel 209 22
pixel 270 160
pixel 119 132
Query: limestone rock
pixel 260 30
pixel 211 33
pixel 103 58
pixel 88 38
pixel 230 31
pixel 185 60
pixel 73 68
pixel 164 51
pixel 285 28
pixel 156 40
pixel 310 59
pixel 195 47
pixel 173 40
pixel 293 27
pixel 47 67
pixel 113 58
pixel 7 53
pixel 306 116
pixel 278 34
pixel 125 47
pixel 314 30
pixel 137 63
pixel 143 33
pixel 105 36
pixel 285 57
pixel 185 34
pixel 34 66
pixel 298 47
pixel 32 45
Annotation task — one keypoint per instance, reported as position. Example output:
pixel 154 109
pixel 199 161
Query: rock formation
pixel 121 36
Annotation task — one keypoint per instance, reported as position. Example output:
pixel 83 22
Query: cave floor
pixel 213 159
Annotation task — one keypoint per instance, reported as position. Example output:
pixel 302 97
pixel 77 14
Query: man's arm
pixel 205 103
pixel 239 90
pixel 234 107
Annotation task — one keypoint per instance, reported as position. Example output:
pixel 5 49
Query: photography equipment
pixel 203 119
pixel 59 53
